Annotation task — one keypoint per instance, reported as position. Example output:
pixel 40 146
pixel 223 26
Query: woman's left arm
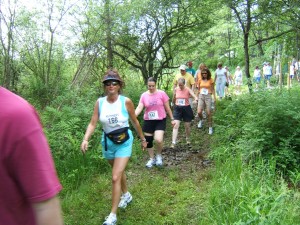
pixel 169 111
pixel 135 122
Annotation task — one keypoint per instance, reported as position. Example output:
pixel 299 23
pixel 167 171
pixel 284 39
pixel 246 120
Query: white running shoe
pixel 150 163
pixel 200 124
pixel 210 130
pixel 110 220
pixel 159 161
pixel 125 200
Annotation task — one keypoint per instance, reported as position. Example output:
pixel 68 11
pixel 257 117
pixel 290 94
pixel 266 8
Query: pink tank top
pixel 182 96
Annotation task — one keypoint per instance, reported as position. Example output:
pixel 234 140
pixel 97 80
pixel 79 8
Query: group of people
pixel 22 137
pixel 114 111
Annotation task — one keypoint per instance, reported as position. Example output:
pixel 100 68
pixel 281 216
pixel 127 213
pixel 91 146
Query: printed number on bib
pixel 181 101
pixel 153 115
pixel 204 91
pixel 113 120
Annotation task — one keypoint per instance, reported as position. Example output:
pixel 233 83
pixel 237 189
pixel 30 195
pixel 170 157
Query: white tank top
pixel 113 116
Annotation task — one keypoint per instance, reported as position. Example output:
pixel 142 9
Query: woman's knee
pixel 116 178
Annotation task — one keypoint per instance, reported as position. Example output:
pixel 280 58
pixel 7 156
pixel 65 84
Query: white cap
pixel 182 67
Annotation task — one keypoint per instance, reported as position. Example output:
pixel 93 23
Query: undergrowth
pixel 254 178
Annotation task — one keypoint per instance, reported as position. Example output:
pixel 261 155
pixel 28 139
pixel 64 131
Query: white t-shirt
pixel 257 73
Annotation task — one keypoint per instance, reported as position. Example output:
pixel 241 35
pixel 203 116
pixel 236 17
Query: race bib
pixel 204 91
pixel 153 115
pixel 181 101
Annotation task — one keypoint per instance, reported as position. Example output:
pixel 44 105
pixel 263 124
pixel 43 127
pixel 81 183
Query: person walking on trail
pixel 114 111
pixel 257 76
pixel 220 80
pixel 297 67
pixel 182 110
pixel 189 80
pixel 267 70
pixel 206 91
pixel 230 81
pixel 292 74
pixel 198 73
pixel 29 184
pixel 156 104
pixel 190 68
pixel 238 79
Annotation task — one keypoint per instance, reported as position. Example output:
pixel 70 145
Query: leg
pixel 209 118
pixel 118 180
pixel 175 131
pixel 187 126
pixel 200 111
pixel 150 149
pixel 159 140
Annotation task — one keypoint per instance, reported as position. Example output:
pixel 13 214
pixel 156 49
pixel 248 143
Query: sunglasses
pixel 113 83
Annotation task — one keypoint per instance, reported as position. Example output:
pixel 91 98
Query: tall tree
pixel 7 31
pixel 242 11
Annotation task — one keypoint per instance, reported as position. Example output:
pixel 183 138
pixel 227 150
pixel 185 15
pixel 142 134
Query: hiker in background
pixel 189 80
pixel 230 81
pixel 297 67
pixel 238 79
pixel 198 72
pixel 156 104
pixel 114 111
pixel 220 80
pixel 197 78
pixel 292 74
pixel 206 91
pixel 190 68
pixel 257 76
pixel 268 73
pixel 182 110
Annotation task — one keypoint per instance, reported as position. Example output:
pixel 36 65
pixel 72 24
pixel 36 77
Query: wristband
pixel 143 139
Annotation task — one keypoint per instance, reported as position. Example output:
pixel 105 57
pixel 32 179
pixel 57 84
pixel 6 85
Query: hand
pixel 84 146
pixel 144 145
pixel 173 123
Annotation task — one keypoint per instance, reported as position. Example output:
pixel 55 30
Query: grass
pixel 234 190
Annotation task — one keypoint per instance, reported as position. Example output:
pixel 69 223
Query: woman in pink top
pixel 156 104
pixel 182 110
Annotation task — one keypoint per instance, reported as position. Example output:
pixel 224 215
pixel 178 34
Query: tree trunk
pixel 108 22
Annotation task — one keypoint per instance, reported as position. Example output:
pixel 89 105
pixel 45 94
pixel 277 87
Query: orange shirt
pixel 205 86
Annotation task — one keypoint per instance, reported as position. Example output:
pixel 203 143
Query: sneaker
pixel 210 130
pixel 188 142
pixel 200 124
pixel 125 200
pixel 150 163
pixel 110 220
pixel 172 145
pixel 159 161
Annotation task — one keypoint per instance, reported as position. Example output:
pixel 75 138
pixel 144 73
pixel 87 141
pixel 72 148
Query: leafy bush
pixel 263 124
pixel 65 122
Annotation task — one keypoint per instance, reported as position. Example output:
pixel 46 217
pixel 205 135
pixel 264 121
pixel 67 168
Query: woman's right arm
pixel 91 128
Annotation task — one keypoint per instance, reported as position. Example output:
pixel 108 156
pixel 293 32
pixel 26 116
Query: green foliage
pixel 264 124
pixel 249 194
pixel 65 122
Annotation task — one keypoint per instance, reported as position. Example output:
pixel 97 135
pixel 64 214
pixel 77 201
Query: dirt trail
pixel 184 156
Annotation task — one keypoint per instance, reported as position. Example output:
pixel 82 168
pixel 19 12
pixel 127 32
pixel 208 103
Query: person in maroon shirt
pixel 29 183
